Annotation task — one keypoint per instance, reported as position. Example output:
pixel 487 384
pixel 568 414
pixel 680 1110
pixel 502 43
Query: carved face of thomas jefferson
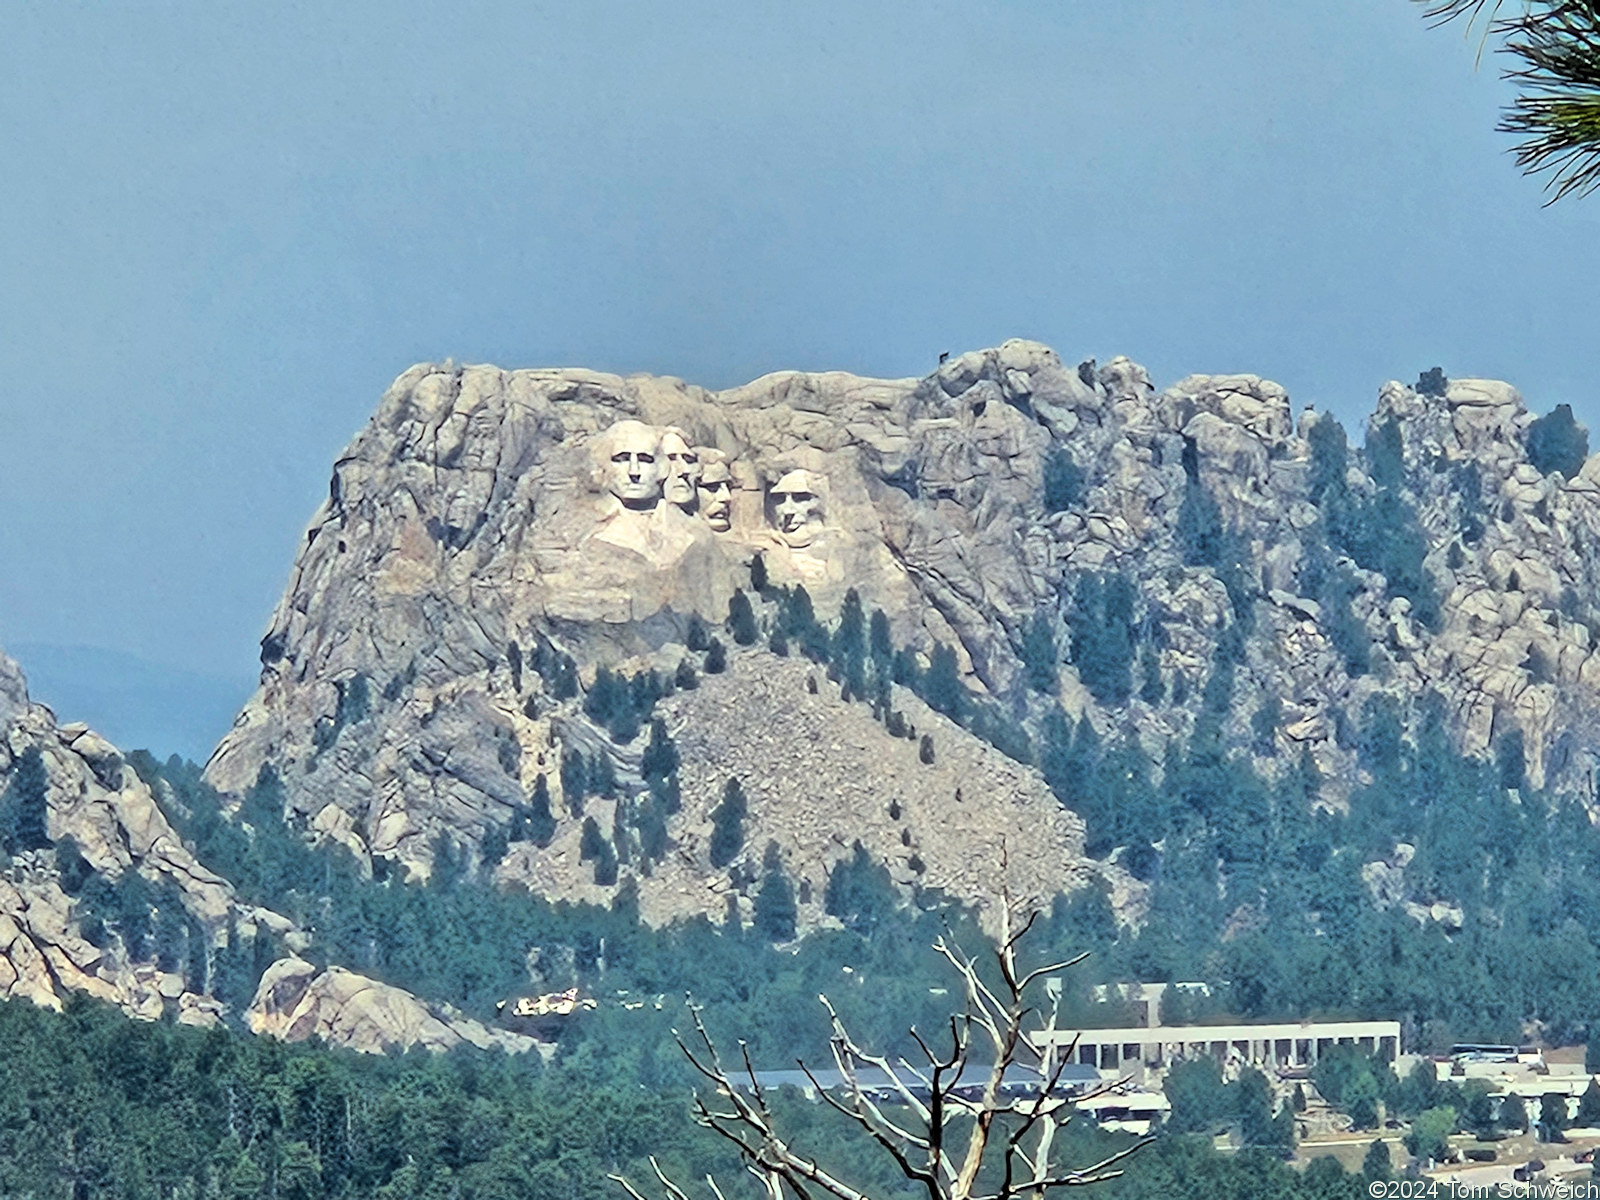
pixel 633 466
pixel 681 467
pixel 797 507
pixel 716 495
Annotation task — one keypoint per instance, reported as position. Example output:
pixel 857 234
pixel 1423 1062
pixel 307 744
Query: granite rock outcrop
pixel 488 523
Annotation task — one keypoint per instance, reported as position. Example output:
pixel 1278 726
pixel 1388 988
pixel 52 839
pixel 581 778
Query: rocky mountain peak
pixel 1072 537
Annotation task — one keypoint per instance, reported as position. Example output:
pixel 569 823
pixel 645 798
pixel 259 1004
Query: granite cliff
pixel 103 825
pixel 498 545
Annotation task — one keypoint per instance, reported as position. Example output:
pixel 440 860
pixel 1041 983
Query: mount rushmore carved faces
pixel 716 491
pixel 681 464
pixel 797 507
pixel 633 469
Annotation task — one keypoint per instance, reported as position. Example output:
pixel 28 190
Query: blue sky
pixel 224 228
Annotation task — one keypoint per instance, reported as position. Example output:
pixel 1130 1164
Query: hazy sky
pixel 225 227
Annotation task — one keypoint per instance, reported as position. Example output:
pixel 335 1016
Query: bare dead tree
pixel 946 1123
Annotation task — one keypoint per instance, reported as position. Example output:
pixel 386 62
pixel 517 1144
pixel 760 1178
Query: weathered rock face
pixel 820 776
pixel 486 519
pixel 105 808
pixel 295 1001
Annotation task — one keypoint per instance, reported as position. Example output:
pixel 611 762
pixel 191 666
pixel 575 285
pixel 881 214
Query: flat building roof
pixel 1163 1035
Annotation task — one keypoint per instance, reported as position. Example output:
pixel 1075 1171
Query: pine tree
pixel 880 642
pixel 942 687
pixel 758 574
pixel 652 826
pixel 26 809
pixel 727 824
pixel 1513 1113
pixel 742 619
pixel 775 912
pixel 1039 653
pixel 494 847
pixel 540 822
pixel 1063 481
pixel 590 840
pixel 1377 1163
pixel 1589 1107
pixel 698 638
pixel 860 892
pixel 660 755
pixel 605 865
pixel 604 697
pixel 574 780
pixel 716 658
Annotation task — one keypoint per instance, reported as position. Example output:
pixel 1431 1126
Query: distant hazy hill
pixel 135 702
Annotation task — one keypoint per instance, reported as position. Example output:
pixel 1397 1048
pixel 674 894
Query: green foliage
pixel 537 823
pixel 797 621
pixel 1103 638
pixel 574 779
pixel 1039 653
pixel 590 840
pixel 557 671
pixel 494 846
pixel 1556 442
pixel 758 573
pixel 1330 457
pixel 860 892
pixel 1514 1113
pixel 1153 689
pixel 1199 1098
pixel 98 1105
pixel 1429 1131
pixel 1588 1116
pixel 716 658
pixel 353 705
pixel 1553 1120
pixel 24 809
pixel 942 687
pixel 742 619
pixel 1385 451
pixel 925 750
pixel 727 824
pixel 1354 1081
pixel 698 639
pixel 1204 541
pixel 1381 531
pixel 775 910
pixel 660 755
pixel 1377 1163
pixel 1432 382
pixel 1064 481
pixel 72 868
pixel 620 703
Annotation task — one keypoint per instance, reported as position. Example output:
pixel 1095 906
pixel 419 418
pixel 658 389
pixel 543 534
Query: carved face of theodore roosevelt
pixel 716 495
pixel 633 467
pixel 797 507
pixel 681 470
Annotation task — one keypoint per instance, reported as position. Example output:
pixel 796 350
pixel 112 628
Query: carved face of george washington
pixel 632 467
